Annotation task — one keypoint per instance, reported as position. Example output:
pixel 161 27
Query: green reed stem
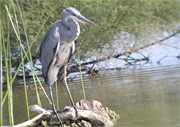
pixel 1 73
pixel 24 78
pixel 31 63
pixel 29 47
pixel 81 74
pixel 8 78
pixel 4 98
pixel 9 70
pixel 25 56
pixel 1 85
pixel 43 89
pixel 28 50
pixel 18 37
pixel 57 97
pixel 25 90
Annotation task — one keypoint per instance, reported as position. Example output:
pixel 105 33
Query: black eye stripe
pixel 68 10
pixel 71 12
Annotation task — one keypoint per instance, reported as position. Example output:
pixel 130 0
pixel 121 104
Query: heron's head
pixel 73 14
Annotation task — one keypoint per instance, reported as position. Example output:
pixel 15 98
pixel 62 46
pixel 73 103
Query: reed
pixel 6 53
pixel 7 62
pixel 1 70
pixel 31 63
pixel 57 97
pixel 84 94
pixel 24 76
pixel 14 23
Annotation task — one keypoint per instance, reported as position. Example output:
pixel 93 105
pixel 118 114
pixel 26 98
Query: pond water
pixel 142 97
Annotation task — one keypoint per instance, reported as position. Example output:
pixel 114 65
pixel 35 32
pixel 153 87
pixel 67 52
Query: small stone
pixel 86 124
pixel 74 125
pixel 79 125
pixel 44 123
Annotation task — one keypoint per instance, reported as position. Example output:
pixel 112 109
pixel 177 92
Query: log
pixel 90 113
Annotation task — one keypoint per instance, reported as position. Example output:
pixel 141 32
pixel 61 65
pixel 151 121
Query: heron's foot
pixel 75 110
pixel 55 113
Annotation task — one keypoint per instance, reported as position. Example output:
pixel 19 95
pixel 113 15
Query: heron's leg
pixel 53 106
pixel 65 80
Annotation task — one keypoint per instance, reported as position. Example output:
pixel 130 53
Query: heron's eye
pixel 74 14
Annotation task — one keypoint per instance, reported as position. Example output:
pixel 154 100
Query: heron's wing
pixel 49 47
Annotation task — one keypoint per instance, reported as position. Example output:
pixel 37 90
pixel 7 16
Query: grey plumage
pixel 55 43
pixel 58 45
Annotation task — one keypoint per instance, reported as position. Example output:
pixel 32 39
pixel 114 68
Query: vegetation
pixel 138 18
pixel 23 24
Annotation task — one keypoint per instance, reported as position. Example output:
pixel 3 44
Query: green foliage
pixel 11 26
pixel 139 18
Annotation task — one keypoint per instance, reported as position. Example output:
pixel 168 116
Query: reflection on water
pixel 147 97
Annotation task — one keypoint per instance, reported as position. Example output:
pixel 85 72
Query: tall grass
pixel 7 62
pixel 22 52
pixel 84 94
pixel 1 70
pixel 57 97
pixel 1 86
pixel 12 21
pixel 31 63
pixel 5 52
pixel 24 77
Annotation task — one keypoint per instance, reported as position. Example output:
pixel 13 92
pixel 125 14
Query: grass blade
pixel 57 97
pixel 30 61
pixel 81 75
pixel 1 74
pixel 9 85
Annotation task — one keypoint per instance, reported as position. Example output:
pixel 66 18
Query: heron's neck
pixel 72 28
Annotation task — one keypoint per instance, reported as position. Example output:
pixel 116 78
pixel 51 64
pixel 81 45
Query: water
pixel 142 97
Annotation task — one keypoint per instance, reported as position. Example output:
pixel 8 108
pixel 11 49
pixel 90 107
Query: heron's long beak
pixel 82 19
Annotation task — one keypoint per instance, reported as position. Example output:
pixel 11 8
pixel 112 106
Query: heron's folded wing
pixel 49 46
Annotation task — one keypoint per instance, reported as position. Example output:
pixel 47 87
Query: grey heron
pixel 57 47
